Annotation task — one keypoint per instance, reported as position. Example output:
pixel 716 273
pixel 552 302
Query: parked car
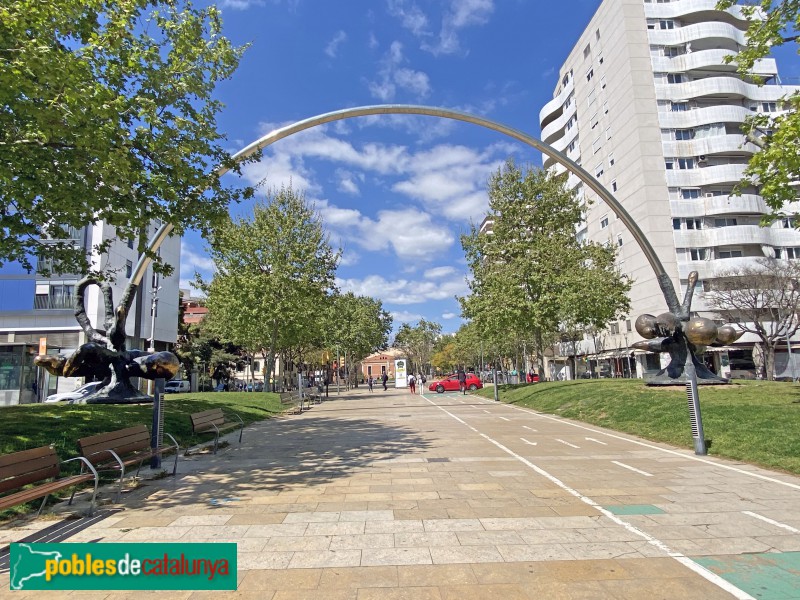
pixel 84 390
pixel 176 386
pixel 450 384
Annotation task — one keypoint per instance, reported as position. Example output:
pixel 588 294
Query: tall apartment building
pixel 38 311
pixel 646 103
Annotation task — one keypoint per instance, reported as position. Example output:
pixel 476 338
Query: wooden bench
pixel 116 450
pixel 213 420
pixel 36 466
pixel 293 398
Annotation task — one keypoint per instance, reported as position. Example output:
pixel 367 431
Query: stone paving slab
pixel 392 496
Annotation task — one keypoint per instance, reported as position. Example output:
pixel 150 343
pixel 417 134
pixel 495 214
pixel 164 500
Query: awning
pixel 721 349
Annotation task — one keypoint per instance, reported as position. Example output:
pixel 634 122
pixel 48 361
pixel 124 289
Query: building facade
pixel 646 103
pixel 36 312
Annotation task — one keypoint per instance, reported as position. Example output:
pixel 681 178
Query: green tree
pixel 775 168
pixel 418 342
pixel 198 347
pixel 357 326
pixel 107 112
pixel 275 274
pixel 530 273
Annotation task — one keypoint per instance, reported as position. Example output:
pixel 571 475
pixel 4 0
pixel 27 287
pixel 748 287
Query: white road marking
pixel 527 442
pixel 567 443
pixel 596 441
pixel 530 428
pixel 771 521
pixel 665 450
pixel 487 412
pixel 504 419
pixel 634 469
pixel 681 558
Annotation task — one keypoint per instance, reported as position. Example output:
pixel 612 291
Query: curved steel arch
pixel 405 109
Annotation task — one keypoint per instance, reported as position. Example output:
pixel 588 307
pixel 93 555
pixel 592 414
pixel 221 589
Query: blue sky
pixel 395 192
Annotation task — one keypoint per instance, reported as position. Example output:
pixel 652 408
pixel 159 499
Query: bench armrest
pixel 86 463
pixel 112 453
pixel 238 417
pixel 174 441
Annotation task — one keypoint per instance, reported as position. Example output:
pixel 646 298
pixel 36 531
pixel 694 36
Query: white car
pixel 176 386
pixel 84 390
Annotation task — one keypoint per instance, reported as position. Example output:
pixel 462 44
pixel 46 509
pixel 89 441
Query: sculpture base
pixel 122 392
pixel 661 378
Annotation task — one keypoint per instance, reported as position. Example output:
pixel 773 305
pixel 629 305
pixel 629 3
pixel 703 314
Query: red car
pixel 450 384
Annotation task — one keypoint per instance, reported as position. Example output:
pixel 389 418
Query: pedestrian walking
pixel 412 383
pixel 462 381
pixel 370 380
pixel 384 379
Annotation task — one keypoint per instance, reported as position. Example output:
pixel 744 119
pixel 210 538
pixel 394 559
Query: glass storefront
pixel 17 374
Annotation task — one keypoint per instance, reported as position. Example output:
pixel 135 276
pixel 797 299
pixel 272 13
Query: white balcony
pixel 719 205
pixel 722 86
pixel 681 8
pixel 553 129
pixel 709 269
pixel 724 113
pixel 555 104
pixel 718 144
pixel 717 174
pixel 697 31
pixel 738 235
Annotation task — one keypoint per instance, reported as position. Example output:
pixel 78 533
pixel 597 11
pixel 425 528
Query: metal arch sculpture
pixel 665 333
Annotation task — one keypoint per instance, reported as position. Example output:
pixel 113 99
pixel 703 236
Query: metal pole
pixel 695 418
pixel 157 427
pixel 338 367
pixel 494 381
pixel 152 347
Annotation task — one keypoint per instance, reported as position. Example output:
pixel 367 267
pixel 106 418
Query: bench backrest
pixel 288 397
pixel 122 441
pixel 202 421
pixel 29 466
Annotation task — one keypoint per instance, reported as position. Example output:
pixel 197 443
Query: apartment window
pixel 694 223
pixel 788 223
pixel 568 101
pixel 594 121
pixel 587 50
pixel 613 328
pixel 608 133
pixel 599 170
pixel 676 224
pixel 154 281
pixel 565 79
pixel 603 82
pixel 730 253
pixel 697 253
pixel 571 146
pixel 590 98
pixel 666 24
pixel 675 78
pixel 788 253
pixel 672 51
pixel 628 327
pixel 686 163
pixel 54 295
pixel 611 160
pixel 128 269
pixel 679 106
pixel 684 134
pixel 669 163
pixel 614 186
pixel 589 74
pixel 130 243
pixel 725 222
pixel 600 58
pixel 769 107
pixel 690 193
pixel 597 35
pixel 596 145
pixel 619 241
pixel 605 107
pixel 604 222
pixel 651 24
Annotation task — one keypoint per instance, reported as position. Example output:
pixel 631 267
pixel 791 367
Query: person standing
pixel 412 383
pixel 462 380
pixel 384 379
pixel 370 380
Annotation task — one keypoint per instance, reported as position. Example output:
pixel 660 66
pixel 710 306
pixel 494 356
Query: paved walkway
pixel 389 495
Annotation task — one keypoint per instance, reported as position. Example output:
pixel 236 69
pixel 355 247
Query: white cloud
pixel 372 42
pixel 410 15
pixel 333 45
pixel 392 77
pixel 449 315
pixel 404 290
pixel 403 316
pixel 192 261
pixel 347 182
pixel 438 272
pixel 240 4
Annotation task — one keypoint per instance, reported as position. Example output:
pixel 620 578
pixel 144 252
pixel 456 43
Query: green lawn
pixel 753 421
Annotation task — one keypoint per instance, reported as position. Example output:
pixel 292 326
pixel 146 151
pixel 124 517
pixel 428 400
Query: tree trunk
pixel 769 360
